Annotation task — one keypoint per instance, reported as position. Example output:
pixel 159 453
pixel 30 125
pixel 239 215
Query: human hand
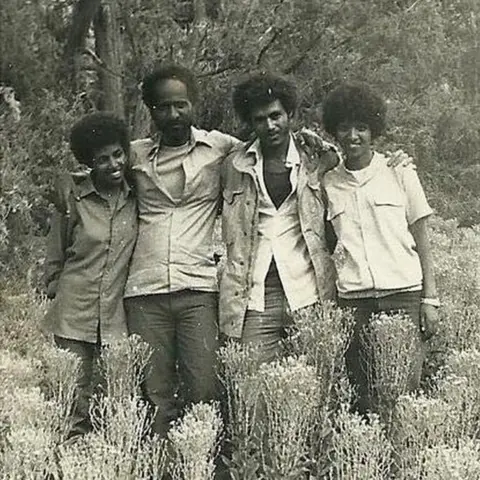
pixel 399 158
pixel 428 321
pixel 320 152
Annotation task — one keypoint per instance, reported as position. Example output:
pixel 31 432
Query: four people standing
pixel 273 224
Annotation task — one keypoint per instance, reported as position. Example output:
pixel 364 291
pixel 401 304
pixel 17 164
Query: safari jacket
pixel 240 216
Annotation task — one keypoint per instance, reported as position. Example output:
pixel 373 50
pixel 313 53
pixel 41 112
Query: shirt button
pixel 241 262
pixel 247 202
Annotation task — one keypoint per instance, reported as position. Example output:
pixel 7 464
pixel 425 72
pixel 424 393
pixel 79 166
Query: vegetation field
pixel 60 59
pixel 286 420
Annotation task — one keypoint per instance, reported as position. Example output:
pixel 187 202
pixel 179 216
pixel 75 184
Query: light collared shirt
pixel 88 254
pixel 178 194
pixel 371 212
pixel 280 238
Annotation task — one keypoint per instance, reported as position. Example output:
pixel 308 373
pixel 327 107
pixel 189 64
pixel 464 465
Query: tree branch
pixel 263 50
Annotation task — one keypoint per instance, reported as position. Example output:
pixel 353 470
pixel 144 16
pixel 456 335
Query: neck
pixel 358 163
pixel 275 155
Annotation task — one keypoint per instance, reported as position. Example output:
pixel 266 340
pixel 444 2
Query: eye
pixel 362 127
pixel 117 153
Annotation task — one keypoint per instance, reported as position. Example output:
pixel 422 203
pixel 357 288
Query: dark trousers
pixel 87 353
pixel 357 358
pixel 182 329
pixel 267 329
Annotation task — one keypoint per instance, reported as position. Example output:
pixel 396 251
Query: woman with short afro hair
pixel 88 253
pixel 379 216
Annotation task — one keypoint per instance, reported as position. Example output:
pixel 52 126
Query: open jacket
pixel 240 216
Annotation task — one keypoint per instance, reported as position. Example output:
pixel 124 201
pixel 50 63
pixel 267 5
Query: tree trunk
pixel 109 49
pixel 83 13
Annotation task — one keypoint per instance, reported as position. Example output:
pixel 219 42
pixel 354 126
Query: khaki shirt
pixel 371 211
pixel 240 221
pixel 280 237
pixel 87 262
pixel 174 249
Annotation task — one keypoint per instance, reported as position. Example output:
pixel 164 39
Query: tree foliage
pixel 422 55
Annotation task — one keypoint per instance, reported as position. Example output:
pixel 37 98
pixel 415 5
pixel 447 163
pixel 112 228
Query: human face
pixel 271 124
pixel 356 140
pixel 109 166
pixel 172 111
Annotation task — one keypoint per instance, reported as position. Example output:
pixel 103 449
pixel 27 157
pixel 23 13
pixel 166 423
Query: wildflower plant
pixel 322 333
pixel 61 370
pixel 457 384
pixel 195 440
pixel 242 387
pixel 419 423
pixel 118 447
pixel 290 390
pixel 360 448
pixel 444 462
pixel 394 356
pixel 27 443
pixel 123 364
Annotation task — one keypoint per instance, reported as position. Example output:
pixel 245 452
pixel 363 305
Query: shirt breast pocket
pixel 390 206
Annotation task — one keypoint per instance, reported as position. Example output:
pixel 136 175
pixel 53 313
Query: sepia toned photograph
pixel 239 240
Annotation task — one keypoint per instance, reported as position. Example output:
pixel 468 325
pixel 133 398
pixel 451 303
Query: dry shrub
pixel 322 333
pixel 360 449
pixel 290 392
pixel 242 389
pixel 394 354
pixel 419 423
pixel 195 441
pixel 452 463
pixel 28 441
pixel 457 384
pixel 123 365
pixel 117 448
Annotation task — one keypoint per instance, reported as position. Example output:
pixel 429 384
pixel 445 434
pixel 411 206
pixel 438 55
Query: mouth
pixel 116 175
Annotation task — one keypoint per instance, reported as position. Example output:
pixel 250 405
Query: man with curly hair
pixel 277 257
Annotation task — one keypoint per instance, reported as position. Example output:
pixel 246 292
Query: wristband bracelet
pixel 434 302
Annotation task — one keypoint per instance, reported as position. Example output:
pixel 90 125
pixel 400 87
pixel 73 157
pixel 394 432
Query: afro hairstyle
pixel 95 131
pixel 168 72
pixel 354 103
pixel 262 88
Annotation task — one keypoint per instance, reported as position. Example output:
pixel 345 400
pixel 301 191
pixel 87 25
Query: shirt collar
pixel 86 187
pixel 377 160
pixel 292 159
pixel 196 137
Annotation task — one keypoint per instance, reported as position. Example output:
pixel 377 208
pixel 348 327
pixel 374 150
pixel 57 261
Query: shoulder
pixel 140 149
pixel 215 138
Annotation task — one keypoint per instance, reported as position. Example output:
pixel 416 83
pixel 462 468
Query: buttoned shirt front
pixel 280 238
pixel 371 213
pixel 87 262
pixel 178 196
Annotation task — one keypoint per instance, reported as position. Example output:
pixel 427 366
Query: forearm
pixel 424 250
pixel 55 253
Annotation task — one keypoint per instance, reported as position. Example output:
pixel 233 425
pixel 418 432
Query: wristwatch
pixel 434 302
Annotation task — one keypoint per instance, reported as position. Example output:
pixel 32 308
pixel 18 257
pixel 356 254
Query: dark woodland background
pixel 64 58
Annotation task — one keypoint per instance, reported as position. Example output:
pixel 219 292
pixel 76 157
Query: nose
pixel 116 162
pixel 353 133
pixel 173 112
pixel 270 124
